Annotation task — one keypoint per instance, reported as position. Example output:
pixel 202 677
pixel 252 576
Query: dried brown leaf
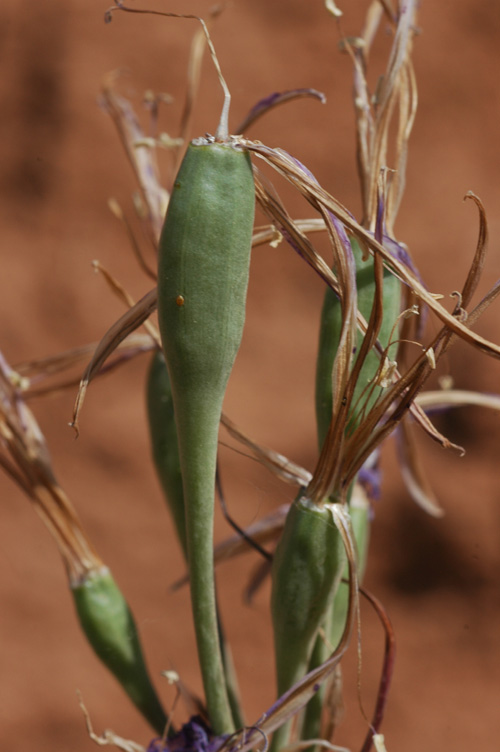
pixel 126 298
pixel 198 46
pixel 115 334
pixel 107 738
pixel 474 274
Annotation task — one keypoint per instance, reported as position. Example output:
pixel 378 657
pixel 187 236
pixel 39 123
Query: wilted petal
pixel 273 100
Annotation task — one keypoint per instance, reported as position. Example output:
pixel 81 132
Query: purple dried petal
pixel 339 227
pixel 370 477
pixel 380 219
pixel 194 736
pixel 400 253
pixel 275 99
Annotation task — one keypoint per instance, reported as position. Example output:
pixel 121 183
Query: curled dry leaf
pixel 263 106
pixel 117 288
pixel 126 324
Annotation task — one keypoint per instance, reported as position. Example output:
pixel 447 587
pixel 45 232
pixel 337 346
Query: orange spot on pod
pixel 180 300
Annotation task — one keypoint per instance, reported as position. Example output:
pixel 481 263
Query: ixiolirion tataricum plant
pixel 368 397
pixel 367 386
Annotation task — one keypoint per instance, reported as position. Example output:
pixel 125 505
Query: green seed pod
pixel 331 324
pixel 202 282
pixel 110 628
pixel 359 510
pixel 330 329
pixel 307 567
pixel 163 434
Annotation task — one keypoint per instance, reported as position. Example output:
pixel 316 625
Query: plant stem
pixel 199 495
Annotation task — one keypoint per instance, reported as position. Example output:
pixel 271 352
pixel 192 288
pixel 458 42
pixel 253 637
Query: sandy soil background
pixel 60 162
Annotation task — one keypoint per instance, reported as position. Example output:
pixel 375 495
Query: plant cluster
pixel 373 361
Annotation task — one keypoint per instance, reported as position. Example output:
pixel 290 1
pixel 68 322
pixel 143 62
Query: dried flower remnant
pixel 194 736
pixel 141 155
pixel 275 99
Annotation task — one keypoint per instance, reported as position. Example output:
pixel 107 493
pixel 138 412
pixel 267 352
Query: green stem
pixel 165 448
pixel 311 727
pixel 164 444
pixel 199 481
pixel 231 678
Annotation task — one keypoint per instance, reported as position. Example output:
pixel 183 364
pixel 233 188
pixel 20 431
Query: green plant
pixel 366 389
pixel 202 283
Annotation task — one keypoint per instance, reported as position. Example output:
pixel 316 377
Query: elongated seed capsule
pixel 307 567
pixel 164 445
pixel 204 259
pixel 110 628
pixel 359 512
pixel 334 623
pixel 363 400
pixel 330 328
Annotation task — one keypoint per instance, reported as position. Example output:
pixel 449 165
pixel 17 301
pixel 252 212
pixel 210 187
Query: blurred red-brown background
pixel 60 162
